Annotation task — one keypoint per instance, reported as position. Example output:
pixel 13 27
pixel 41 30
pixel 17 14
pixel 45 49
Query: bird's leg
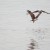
pixel 33 20
pixel 36 19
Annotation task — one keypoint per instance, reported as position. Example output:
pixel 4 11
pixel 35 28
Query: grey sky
pixel 15 24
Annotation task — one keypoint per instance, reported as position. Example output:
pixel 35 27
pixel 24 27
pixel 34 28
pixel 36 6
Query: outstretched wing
pixel 35 11
pixel 45 12
pixel 38 14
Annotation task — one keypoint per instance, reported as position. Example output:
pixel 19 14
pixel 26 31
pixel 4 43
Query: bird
pixel 34 18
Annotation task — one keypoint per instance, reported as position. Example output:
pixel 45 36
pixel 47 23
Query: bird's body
pixel 33 16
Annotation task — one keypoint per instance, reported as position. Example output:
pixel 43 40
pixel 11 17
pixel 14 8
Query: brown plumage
pixel 31 14
pixel 34 18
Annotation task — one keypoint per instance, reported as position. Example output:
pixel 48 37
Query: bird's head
pixel 28 12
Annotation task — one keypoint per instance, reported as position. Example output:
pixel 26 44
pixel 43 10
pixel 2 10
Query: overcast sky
pixel 15 24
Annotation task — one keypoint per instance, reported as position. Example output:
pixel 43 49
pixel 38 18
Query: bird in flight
pixel 34 18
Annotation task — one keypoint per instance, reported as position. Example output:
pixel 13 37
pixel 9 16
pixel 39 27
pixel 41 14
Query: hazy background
pixel 16 29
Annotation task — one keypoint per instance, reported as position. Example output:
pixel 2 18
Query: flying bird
pixel 34 18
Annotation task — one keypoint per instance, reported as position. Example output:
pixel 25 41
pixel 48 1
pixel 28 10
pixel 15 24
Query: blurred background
pixel 16 27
